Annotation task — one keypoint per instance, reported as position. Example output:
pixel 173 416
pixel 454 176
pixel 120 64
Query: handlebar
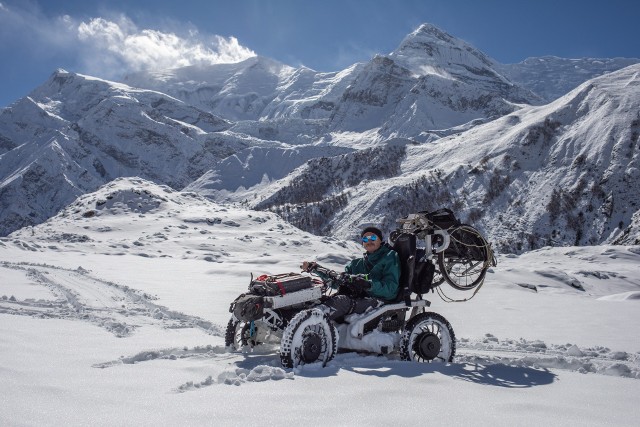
pixel 344 282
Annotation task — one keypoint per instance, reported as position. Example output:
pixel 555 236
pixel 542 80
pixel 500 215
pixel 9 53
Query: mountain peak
pixel 427 39
pixel 430 30
pixel 429 47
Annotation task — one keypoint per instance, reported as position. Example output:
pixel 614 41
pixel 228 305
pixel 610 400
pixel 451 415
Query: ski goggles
pixel 366 239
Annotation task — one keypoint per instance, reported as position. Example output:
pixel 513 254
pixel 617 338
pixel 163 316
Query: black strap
pixel 407 292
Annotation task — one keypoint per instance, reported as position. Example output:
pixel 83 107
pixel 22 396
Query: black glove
pixel 361 281
pixel 355 284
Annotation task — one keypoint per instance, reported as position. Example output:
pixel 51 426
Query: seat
pixel 405 245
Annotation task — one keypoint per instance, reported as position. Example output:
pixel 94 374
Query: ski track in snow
pixel 120 309
pixel 116 308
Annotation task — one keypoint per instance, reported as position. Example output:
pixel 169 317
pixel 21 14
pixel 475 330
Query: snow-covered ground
pixel 113 313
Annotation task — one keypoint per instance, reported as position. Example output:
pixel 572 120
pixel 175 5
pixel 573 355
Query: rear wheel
pixel 428 337
pixel 310 337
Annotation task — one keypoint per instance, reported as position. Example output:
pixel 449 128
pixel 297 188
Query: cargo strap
pixel 281 287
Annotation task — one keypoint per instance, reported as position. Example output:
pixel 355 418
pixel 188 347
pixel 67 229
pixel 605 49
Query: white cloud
pixel 110 47
pixel 136 49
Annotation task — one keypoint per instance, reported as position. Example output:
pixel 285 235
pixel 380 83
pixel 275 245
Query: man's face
pixel 371 245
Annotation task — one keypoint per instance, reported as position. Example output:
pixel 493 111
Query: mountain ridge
pixel 75 133
pixel 563 173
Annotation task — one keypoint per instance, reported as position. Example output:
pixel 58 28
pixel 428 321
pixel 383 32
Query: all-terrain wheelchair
pixel 287 309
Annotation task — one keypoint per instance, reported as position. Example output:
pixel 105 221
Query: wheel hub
pixel 311 347
pixel 427 346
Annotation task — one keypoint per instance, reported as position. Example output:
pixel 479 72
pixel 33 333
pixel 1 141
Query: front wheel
pixel 241 335
pixel 428 337
pixel 310 337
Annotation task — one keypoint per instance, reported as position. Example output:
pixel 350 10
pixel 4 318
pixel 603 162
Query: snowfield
pixel 113 313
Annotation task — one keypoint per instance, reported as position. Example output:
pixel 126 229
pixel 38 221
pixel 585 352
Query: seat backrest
pixel 405 245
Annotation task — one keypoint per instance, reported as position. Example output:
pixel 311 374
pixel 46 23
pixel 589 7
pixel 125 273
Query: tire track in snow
pixel 230 372
pixel 238 368
pixel 209 351
pixel 538 354
pixel 117 308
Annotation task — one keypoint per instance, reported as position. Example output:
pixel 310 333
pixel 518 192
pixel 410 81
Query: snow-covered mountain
pixel 257 88
pixel 563 173
pixel 75 133
pixel 333 150
pixel 551 77
pixel 432 81
pixel 151 220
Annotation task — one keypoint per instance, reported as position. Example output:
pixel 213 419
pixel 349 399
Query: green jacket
pixel 383 268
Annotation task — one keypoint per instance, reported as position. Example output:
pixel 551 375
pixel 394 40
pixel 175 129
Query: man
pixel 369 281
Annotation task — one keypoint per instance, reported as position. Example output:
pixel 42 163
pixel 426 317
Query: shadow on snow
pixel 498 375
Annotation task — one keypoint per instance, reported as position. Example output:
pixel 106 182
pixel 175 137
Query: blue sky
pixel 107 38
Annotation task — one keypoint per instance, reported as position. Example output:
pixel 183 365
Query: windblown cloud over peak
pixel 137 49
pixel 110 46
